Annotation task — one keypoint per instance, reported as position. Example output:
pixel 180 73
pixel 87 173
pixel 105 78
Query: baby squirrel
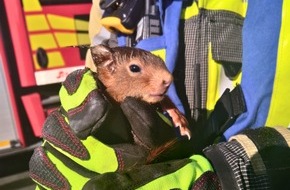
pixel 127 71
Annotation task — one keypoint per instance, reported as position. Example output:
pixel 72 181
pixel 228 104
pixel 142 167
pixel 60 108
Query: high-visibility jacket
pixel 265 80
pixel 210 54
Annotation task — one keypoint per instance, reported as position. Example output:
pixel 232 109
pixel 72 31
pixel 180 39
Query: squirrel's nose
pixel 167 80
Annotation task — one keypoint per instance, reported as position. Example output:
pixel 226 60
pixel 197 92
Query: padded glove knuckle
pixel 58 132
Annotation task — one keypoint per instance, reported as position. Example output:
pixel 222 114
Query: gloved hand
pixel 70 151
pixel 90 135
pixel 253 159
pixel 63 157
pixel 174 174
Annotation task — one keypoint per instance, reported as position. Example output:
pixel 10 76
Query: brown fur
pixel 149 83
pixel 113 69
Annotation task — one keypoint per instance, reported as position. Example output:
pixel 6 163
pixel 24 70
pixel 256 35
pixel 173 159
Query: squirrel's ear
pixel 102 56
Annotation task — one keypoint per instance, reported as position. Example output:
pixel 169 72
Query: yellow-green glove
pixel 90 138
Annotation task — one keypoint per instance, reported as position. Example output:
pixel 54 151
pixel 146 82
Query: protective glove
pixel 91 135
pixel 70 150
pixel 174 174
pixel 253 159
pixel 66 162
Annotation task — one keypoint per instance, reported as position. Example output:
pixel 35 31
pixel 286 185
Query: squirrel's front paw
pixel 180 121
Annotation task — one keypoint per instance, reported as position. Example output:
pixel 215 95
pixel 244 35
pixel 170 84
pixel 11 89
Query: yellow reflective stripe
pixel 237 6
pixel 279 111
pixel 160 52
pixel 190 11
pixel 88 84
pixel 217 81
pixel 238 79
pixel 214 70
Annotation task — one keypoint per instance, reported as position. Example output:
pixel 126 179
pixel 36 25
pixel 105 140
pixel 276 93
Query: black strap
pixel 230 105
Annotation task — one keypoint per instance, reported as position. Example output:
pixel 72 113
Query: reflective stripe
pixel 285 133
pixel 279 112
pixel 252 153
pixel 160 52
pixel 214 70
pixel 190 11
pixel 217 81
pixel 239 6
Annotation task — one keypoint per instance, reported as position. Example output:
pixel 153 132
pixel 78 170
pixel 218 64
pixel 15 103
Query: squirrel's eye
pixel 135 68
